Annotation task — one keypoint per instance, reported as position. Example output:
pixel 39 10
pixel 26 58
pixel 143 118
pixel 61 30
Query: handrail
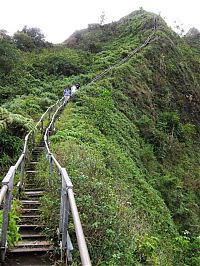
pixel 85 259
pixel 121 61
pixel 3 193
pixel 6 190
pixel 67 200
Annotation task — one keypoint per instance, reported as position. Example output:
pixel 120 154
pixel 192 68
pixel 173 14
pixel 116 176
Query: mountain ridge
pixel 129 141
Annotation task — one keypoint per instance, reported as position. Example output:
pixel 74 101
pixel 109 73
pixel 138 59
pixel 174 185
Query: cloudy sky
pixel 58 19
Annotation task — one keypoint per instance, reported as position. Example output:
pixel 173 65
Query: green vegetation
pixel 130 142
pixel 13 235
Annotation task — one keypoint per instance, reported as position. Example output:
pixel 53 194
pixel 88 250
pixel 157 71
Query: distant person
pixel 77 86
pixel 73 89
pixel 67 94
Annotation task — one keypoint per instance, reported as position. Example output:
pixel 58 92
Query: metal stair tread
pixel 32 235
pixel 32 171
pixel 30 216
pixel 35 243
pixel 32 186
pixel 33 189
pixel 29 210
pixel 29 201
pixel 34 193
pixel 30 225
pixel 34 249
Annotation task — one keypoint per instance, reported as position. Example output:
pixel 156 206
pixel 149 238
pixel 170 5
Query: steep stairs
pixel 33 248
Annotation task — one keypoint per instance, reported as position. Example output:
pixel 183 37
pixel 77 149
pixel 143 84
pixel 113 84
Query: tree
pixel 29 39
pixel 3 34
pixel 24 42
pixel 9 56
pixel 36 35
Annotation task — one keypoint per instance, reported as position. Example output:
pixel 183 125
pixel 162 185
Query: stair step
pixel 32 235
pixel 28 259
pixel 32 246
pixel 31 249
pixel 33 189
pixel 35 226
pixel 37 152
pixel 26 210
pixel 32 186
pixel 30 202
pixel 31 172
pixel 29 220
pixel 34 193
pixel 35 243
pixel 30 216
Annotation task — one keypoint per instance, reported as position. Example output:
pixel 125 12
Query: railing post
pixel 42 125
pixel 66 241
pixel 61 208
pixel 8 180
pixel 47 137
pixel 52 127
pixel 66 245
pixel 50 170
pixel 49 115
pixel 22 173
pixel 33 139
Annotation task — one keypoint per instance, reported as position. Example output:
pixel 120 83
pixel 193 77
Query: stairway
pixel 33 248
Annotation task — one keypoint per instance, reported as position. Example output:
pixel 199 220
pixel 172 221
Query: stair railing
pixel 67 203
pixel 6 192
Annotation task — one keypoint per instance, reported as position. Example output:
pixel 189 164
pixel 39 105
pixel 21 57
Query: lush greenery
pixel 130 142
pixel 13 235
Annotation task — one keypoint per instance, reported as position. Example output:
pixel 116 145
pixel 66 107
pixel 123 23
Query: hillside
pixel 130 141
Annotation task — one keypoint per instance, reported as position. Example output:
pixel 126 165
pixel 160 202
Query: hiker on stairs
pixel 67 94
pixel 73 90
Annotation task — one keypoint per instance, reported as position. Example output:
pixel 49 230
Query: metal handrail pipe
pixel 41 118
pixel 3 193
pixel 84 254
pixel 50 124
pixel 9 175
pixel 26 141
pixel 19 161
pixel 49 108
pixel 66 178
pixel 46 139
pixel 27 135
pixel 6 179
pixel 47 147
pixel 56 163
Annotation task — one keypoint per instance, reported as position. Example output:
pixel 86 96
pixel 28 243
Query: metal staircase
pixel 31 250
